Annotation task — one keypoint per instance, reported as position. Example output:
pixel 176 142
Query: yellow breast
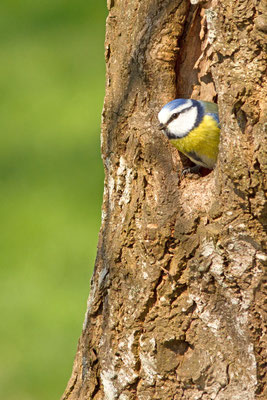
pixel 201 144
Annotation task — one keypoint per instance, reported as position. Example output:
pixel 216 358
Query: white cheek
pixel 184 123
pixel 163 116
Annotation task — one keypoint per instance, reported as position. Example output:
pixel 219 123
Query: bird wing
pixel 211 109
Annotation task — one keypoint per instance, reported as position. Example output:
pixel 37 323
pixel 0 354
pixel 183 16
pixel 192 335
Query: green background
pixel 51 94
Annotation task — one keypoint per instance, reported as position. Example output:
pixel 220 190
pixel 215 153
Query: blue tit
pixel 193 127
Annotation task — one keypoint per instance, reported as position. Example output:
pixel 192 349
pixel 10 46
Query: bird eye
pixel 175 115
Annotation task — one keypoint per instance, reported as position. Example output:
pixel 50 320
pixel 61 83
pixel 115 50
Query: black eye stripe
pixel 175 115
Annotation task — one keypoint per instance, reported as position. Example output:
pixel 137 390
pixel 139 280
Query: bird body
pixel 193 127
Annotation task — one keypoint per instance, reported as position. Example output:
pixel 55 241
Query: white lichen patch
pixel 124 181
pixel 148 361
pixel 126 377
pixel 217 267
pixel 143 265
pixel 111 185
pixel 234 300
pixel 211 16
pixel 209 252
pixel 126 195
pixel 124 397
pixel 121 169
pixel 89 305
pixel 252 367
pixel 127 373
pixel 145 275
pixel 103 211
pixel 210 320
pixel 208 248
pixel 261 257
pixel 247 298
pixel 241 255
pixel 103 216
pixel 108 378
pixel 128 356
pixel 241 323
pixel 102 274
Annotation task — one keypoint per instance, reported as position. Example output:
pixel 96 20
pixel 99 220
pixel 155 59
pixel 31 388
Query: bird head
pixel 178 117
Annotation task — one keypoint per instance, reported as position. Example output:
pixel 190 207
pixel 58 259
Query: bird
pixel 193 127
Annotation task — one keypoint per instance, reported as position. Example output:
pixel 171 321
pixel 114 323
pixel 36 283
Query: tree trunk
pixel 176 309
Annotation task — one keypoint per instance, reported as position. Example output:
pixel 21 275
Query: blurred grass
pixel 51 176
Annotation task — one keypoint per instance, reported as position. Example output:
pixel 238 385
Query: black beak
pixel 162 126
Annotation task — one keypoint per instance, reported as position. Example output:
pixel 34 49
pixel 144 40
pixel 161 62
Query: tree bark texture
pixel 176 309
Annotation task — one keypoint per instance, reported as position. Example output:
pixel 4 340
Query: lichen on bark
pixel 176 309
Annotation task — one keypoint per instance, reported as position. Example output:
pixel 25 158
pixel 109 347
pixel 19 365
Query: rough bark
pixel 176 309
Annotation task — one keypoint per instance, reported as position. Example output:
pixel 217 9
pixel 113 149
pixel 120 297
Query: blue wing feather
pixel 216 117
